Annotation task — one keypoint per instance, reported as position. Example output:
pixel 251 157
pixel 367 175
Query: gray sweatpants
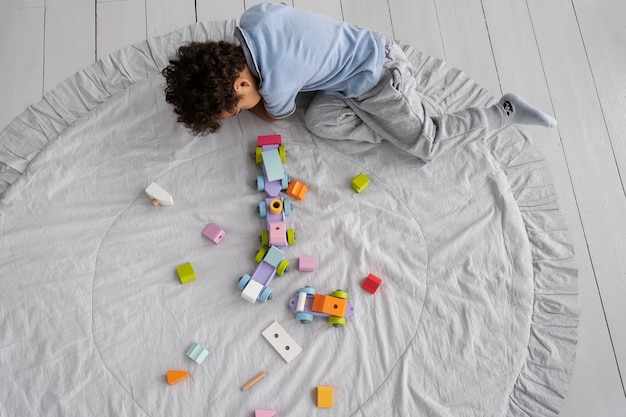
pixel 393 111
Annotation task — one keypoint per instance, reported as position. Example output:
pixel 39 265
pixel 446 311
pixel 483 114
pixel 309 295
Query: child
pixel 366 88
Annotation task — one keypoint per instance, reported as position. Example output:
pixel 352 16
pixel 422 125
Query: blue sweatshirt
pixel 292 50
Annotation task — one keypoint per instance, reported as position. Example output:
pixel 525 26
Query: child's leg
pixel 330 117
pixel 518 111
pixel 393 111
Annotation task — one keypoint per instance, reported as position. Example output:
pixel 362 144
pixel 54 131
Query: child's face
pixel 246 101
pixel 246 89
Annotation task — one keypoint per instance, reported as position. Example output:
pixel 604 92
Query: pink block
pixel 269 140
pixel 277 233
pixel 214 232
pixel 264 413
pixel 306 263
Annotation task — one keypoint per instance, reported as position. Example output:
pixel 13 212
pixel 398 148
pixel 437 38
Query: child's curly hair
pixel 200 83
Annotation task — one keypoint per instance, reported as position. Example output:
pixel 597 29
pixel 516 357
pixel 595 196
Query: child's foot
pixel 519 111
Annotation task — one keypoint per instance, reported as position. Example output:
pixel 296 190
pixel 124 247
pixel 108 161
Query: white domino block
pixel 281 342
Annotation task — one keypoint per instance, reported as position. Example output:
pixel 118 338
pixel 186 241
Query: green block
pixel 360 183
pixel 185 273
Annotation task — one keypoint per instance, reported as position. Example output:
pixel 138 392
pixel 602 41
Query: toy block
pixel 159 195
pixel 264 140
pixel 251 292
pixel 274 256
pixel 275 206
pixel 296 190
pixel 197 353
pixel 324 396
pixel 371 283
pixel 306 263
pixel 360 183
pixel 277 233
pixel 264 413
pixel 174 377
pixel 253 381
pixel 186 273
pixel 273 165
pixel 214 233
pixel 327 304
pixel 280 340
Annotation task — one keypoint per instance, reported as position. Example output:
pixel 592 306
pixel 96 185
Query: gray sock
pixel 516 110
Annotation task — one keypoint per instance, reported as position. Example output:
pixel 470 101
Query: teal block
pixel 273 165
pixel 274 256
pixel 197 353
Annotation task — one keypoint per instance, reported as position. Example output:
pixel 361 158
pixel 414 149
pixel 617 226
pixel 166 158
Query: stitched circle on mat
pixel 145 319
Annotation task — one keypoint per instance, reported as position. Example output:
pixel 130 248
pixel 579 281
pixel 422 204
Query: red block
pixel 371 283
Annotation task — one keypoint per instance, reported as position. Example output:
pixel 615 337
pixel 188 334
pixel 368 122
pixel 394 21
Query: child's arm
pixel 259 110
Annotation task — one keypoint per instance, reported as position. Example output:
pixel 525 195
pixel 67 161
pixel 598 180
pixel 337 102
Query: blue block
pixel 274 256
pixel 273 165
pixel 197 353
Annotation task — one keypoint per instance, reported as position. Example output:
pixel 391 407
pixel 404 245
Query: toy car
pixel 336 306
pixel 256 286
pixel 271 154
pixel 275 211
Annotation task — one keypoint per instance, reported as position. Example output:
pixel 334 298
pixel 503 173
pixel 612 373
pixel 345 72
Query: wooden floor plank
pixel 69 43
pixel 598 191
pixel 520 69
pixel 602 25
pixel 416 23
pixel 165 16
pixel 21 49
pixel 466 41
pixel 119 24
pixel 375 16
pixel 211 10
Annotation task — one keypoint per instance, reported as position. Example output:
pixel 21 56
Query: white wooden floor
pixel 566 56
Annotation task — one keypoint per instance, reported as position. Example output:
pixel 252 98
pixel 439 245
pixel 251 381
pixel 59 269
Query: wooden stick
pixel 253 381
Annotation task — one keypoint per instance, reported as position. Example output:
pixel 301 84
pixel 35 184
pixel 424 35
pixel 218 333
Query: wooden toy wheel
pixel 281 152
pixel 266 294
pixel 303 317
pixel 337 321
pixel 282 267
pixel 265 238
pixel 291 237
pixel 340 294
pixel 260 255
pixel 243 281
pixel 262 209
pixel 307 290
pixel 260 183
pixel 287 207
pixel 258 157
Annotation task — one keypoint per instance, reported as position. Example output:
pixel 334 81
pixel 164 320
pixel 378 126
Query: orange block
pixel 174 377
pixel 324 396
pixel 329 305
pixel 296 190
